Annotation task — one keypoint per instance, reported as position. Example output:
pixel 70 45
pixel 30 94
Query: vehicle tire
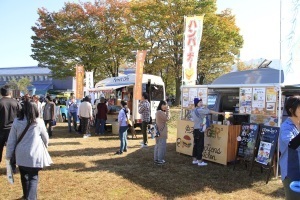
pixel 64 117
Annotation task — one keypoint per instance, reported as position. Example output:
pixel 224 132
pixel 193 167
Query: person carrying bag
pixel 31 152
pixel 13 158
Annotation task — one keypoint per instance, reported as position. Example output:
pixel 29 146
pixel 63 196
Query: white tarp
pixel 290 45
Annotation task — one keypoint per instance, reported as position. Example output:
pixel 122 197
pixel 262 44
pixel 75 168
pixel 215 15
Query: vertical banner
pixel 140 59
pixel 79 81
pixel 89 81
pixel 191 45
pixel 290 44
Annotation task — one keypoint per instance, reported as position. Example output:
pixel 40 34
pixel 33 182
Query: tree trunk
pixel 178 92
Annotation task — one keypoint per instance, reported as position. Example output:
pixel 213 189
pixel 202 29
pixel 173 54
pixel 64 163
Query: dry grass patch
pixel 88 169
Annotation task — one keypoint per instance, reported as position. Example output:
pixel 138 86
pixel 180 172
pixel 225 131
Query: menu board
pixel 267 145
pixel 247 141
pixel 267 120
pixel 245 100
pixel 271 98
pixel 190 93
pixel 259 101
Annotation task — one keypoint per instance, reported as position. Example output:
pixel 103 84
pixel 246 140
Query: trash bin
pixel 115 128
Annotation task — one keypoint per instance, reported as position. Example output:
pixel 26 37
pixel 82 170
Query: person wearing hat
pixel 199 116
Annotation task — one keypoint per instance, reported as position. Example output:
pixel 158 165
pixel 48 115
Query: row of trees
pixel 103 36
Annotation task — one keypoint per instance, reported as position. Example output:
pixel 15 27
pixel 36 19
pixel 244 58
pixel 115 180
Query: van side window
pixel 211 101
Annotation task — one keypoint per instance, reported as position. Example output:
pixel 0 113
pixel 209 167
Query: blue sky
pixel 258 20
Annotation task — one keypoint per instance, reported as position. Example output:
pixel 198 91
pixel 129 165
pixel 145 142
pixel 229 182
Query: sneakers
pixel 125 150
pixel 89 134
pixel 85 136
pixel 202 164
pixel 195 162
pixel 144 146
pixel 118 153
pixel 159 162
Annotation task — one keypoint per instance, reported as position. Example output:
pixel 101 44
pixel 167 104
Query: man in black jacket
pixel 8 112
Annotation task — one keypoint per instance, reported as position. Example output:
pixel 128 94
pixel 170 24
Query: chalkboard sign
pixel 267 144
pixel 247 141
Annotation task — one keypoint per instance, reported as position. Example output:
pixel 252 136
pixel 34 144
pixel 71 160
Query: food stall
pixel 243 97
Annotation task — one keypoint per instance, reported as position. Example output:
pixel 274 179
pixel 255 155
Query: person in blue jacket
pixel 289 142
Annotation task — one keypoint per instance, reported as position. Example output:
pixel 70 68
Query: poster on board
pixel 271 99
pixel 245 100
pixel 267 144
pixel 259 101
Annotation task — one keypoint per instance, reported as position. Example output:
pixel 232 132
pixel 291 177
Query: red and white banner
pixel 192 38
pixel 140 59
pixel 290 45
pixel 79 82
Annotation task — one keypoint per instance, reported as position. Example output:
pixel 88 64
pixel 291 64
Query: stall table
pixel 220 144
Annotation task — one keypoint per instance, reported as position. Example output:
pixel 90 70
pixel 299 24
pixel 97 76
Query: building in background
pixel 40 78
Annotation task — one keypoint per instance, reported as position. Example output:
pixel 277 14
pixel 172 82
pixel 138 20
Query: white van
pixel 120 88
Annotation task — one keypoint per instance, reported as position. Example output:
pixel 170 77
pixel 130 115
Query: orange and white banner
pixel 191 45
pixel 79 81
pixel 140 59
pixel 290 45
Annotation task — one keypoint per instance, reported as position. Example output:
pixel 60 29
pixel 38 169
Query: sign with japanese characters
pixel 247 141
pixel 192 38
pixel 79 81
pixel 140 59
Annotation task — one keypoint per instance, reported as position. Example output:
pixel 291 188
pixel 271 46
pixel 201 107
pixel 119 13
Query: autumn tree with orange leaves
pixel 104 35
pixel 92 35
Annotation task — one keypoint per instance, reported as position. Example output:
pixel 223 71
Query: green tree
pixel 162 22
pixel 242 66
pixel 102 36
pixel 92 35
pixel 20 84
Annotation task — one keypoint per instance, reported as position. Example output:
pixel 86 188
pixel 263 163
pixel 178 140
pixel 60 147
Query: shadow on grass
pixel 64 143
pixel 65 166
pixel 178 177
pixel 83 152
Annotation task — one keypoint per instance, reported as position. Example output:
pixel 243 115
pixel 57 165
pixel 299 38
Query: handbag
pixel 157 131
pixel 53 123
pixel 129 122
pixel 13 158
pixel 47 161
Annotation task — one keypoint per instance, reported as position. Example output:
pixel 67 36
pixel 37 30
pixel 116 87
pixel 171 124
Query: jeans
pixel 123 137
pixel 160 149
pixel 29 180
pixel 144 132
pixel 3 140
pixel 100 126
pixel 49 127
pixel 198 144
pixel 74 116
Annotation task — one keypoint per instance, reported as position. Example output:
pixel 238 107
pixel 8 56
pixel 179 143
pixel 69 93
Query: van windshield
pixel 157 93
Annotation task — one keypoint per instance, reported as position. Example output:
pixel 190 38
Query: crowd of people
pixel 24 133
pixel 26 126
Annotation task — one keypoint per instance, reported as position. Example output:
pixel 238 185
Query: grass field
pixel 88 169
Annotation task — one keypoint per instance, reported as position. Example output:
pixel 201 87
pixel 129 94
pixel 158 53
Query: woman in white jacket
pixel 124 114
pixel 31 152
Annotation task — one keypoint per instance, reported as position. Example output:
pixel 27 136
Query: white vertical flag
pixel 192 38
pixel 290 45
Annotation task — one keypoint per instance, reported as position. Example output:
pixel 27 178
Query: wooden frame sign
pixel 247 141
pixel 267 145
